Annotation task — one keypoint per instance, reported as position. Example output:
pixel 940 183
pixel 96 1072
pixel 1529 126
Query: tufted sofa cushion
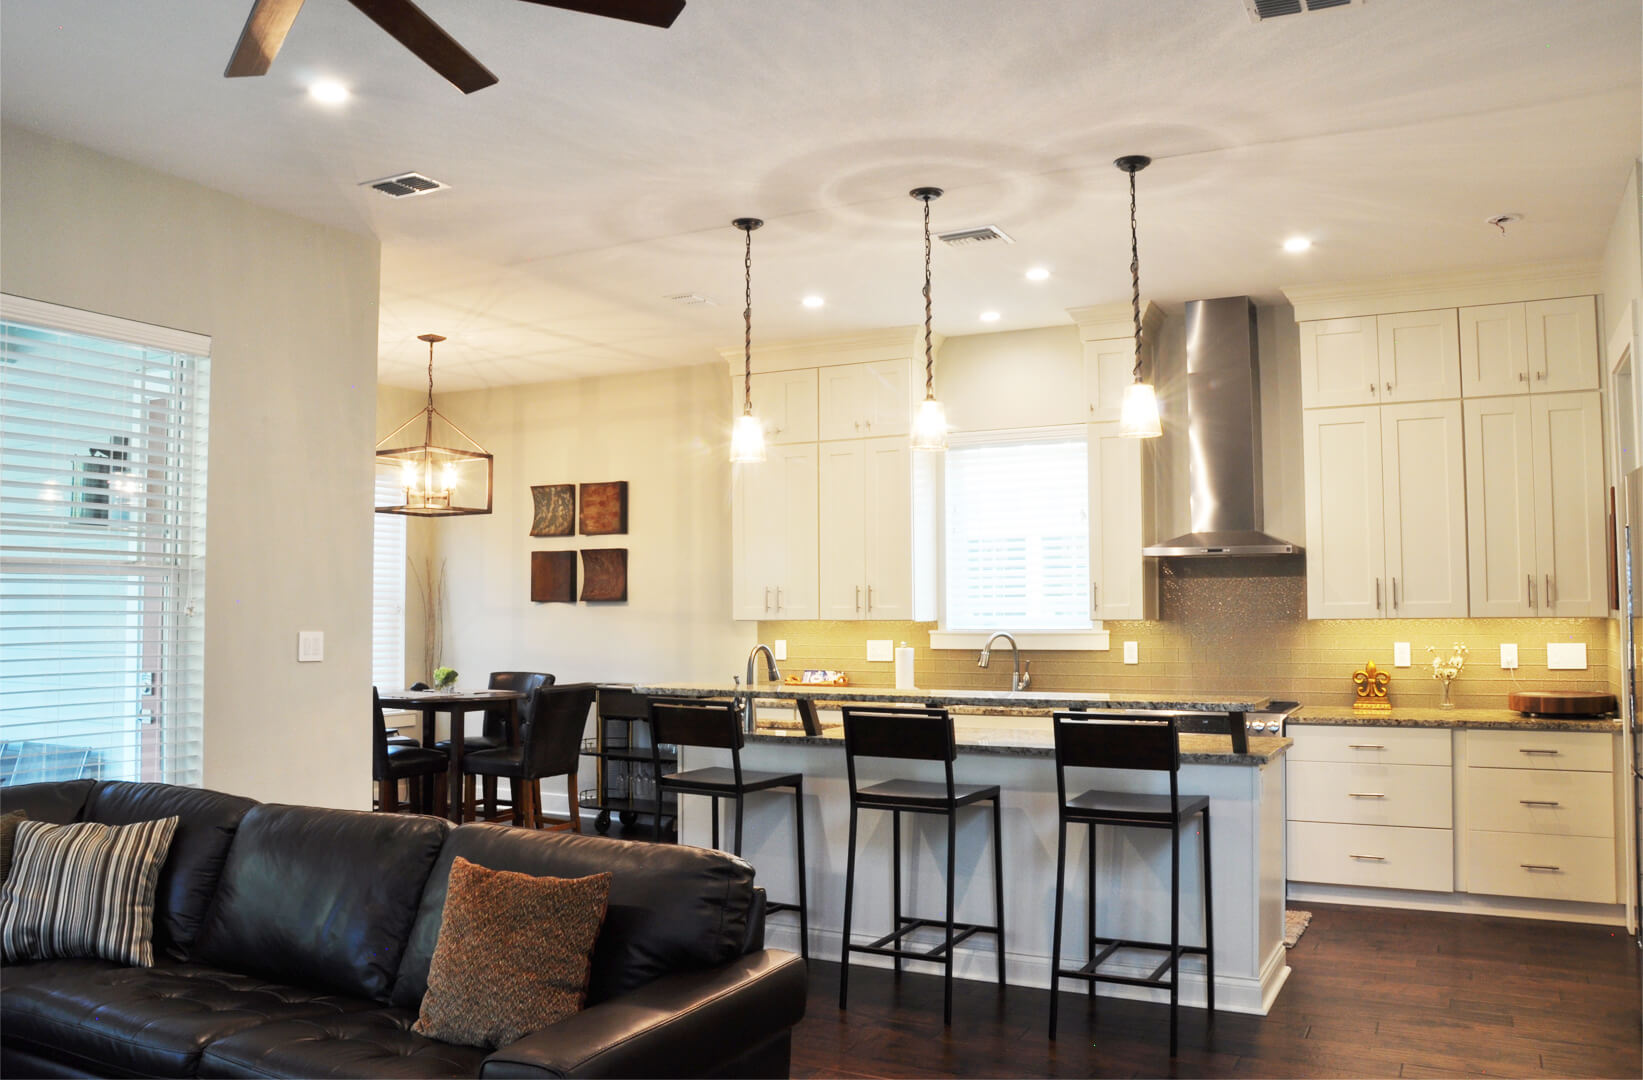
pixel 377 1043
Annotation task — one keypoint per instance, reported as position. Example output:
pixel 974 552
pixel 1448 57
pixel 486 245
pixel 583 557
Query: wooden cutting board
pixel 1561 702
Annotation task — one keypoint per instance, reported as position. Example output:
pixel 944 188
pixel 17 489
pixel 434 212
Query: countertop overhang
pixel 1012 699
pixel 1429 716
pixel 1040 742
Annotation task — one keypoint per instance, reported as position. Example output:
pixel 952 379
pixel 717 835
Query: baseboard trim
pixel 1460 903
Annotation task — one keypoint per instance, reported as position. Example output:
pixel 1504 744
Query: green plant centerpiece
pixel 444 678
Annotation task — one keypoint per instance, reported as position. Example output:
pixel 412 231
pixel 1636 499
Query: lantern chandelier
pixel 431 479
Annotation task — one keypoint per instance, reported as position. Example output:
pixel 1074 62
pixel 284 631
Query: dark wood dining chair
pixel 494 734
pixel 420 766
pixel 550 745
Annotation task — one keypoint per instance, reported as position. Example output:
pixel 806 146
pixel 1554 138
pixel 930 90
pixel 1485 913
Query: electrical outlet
pixel 1566 655
pixel 881 649
pixel 1132 652
pixel 310 646
pixel 781 648
pixel 1400 654
pixel 1508 656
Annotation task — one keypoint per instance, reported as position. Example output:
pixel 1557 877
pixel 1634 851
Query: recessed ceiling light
pixel 1038 273
pixel 814 301
pixel 989 316
pixel 328 92
pixel 1297 244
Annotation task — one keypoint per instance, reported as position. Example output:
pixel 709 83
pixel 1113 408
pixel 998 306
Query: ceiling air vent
pixel 406 185
pixel 985 234
pixel 1270 9
pixel 690 299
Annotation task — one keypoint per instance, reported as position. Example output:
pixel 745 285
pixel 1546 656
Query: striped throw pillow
pixel 83 890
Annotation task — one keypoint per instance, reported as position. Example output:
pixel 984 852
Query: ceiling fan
pixel 266 27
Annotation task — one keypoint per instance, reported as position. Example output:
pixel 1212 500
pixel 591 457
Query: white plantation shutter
pixel 102 546
pixel 388 591
pixel 1017 552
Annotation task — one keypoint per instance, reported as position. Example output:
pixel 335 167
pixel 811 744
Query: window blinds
pixel 1018 535
pixel 388 591
pixel 102 546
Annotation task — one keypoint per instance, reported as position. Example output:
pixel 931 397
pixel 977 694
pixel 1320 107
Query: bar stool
pixel 714 724
pixel 915 735
pixel 1096 741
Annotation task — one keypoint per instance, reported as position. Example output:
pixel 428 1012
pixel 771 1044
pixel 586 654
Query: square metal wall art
pixel 555 513
pixel 605 508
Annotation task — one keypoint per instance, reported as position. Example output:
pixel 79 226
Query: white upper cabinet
pixel 1500 506
pixel 1569 504
pixel 1536 347
pixel 866 555
pixel 862 400
pixel 784 402
pixel 774 535
pixel 1340 362
pixel 1123 584
pixel 1345 541
pixel 1109 366
pixel 1419 356
pixel 1424 482
pixel 843 555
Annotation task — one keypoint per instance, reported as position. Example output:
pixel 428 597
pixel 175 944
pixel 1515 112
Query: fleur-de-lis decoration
pixel 1371 686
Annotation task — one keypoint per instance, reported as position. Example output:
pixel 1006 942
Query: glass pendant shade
pixel 929 426
pixel 1139 416
pixel 747 440
pixel 447 474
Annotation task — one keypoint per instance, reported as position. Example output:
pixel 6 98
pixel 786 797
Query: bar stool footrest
pixel 882 946
pixel 1172 960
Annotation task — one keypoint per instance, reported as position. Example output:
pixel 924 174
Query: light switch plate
pixel 781 648
pixel 1566 655
pixel 1508 656
pixel 1132 652
pixel 1400 654
pixel 310 646
pixel 881 649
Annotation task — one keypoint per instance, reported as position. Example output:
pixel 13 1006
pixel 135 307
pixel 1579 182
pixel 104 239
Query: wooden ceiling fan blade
pixel 650 12
pixel 413 29
pixel 260 40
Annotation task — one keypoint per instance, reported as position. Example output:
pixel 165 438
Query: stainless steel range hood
pixel 1224 435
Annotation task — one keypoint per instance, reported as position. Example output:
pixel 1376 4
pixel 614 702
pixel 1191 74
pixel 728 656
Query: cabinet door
pixel 1494 350
pixel 1123 584
pixel 786 402
pixel 1500 506
pixel 888 528
pixel 843 512
pixel 1424 475
pixel 1340 362
pixel 1569 504
pixel 887 397
pixel 1345 541
pixel 1562 337
pixel 755 537
pixel 792 503
pixel 842 390
pixel 1108 367
pixel 1419 355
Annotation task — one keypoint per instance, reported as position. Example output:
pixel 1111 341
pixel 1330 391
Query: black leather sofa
pixel 295 941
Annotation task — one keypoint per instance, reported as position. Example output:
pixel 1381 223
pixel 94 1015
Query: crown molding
pixel 1417 292
pixel 1099 322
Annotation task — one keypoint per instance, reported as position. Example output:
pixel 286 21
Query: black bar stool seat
pixel 717 780
pixel 921 794
pixel 1125 808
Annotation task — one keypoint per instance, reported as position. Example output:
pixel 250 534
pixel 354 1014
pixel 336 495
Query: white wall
pixel 1622 272
pixel 290 308
pixel 667 434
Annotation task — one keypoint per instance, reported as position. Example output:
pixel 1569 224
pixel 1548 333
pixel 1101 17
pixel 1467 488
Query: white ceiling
pixel 602 172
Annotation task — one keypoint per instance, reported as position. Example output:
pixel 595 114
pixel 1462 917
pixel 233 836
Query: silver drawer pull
pixel 1364 746
pixel 1539 866
pixel 1369 858
pixel 1367 794
pixel 1539 802
pixel 1547 753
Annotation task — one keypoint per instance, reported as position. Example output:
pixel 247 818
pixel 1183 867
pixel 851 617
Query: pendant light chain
pixel 747 331
pixel 1135 279
pixel 929 362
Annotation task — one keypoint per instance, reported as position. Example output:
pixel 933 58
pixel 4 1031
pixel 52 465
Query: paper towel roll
pixel 904 667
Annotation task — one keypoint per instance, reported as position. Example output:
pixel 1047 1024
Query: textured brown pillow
pixel 512 956
pixel 8 833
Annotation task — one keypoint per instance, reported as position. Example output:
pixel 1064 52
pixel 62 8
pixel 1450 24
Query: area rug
pixel 1295 924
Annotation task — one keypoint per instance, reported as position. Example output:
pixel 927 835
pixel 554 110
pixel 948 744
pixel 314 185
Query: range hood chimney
pixel 1224 435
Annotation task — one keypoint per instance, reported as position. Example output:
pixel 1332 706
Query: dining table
pixel 458 703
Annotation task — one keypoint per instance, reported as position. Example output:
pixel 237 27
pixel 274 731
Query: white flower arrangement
pixel 1445 668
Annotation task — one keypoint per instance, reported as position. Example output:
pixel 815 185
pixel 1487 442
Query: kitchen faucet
pixel 770 672
pixel 1018 681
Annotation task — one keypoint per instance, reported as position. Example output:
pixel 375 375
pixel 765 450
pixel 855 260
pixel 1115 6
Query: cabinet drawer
pixel 1549 801
pixel 1382 856
pixel 1366 794
pixel 1588 751
pixel 1547 867
pixel 1375 745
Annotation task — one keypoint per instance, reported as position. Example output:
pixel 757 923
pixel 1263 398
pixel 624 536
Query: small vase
pixel 1446 703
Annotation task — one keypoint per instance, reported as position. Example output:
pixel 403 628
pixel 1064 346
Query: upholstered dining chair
pixel 494 734
pixel 390 764
pixel 551 745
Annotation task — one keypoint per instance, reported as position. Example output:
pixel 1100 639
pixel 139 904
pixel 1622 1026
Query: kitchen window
pixel 102 546
pixel 1017 537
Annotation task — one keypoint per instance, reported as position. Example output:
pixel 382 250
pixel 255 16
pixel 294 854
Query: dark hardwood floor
pixel 1372 993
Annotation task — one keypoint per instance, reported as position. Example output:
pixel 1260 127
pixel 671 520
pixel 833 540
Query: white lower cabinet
pixel 1375 855
pixel 1412 795
pixel 1579 868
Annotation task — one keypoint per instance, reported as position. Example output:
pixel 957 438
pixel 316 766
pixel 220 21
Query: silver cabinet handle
pixel 858 597
pixel 1394 594
pixel 1540 802
pixel 1377 594
pixel 1365 746
pixel 1388 388
pixel 1523 376
pixel 1551 598
pixel 778 598
pixel 1543 753
pixel 767 597
pixel 1532 604
pixel 1367 794
pixel 1541 374
pixel 1095 596
pixel 1368 858
pixel 868 424
pixel 857 425
pixel 1540 866
pixel 869 599
pixel 1371 389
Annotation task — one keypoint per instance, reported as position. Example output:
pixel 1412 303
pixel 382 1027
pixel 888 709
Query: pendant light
pixel 930 421
pixel 747 436
pixel 436 480
pixel 1138 419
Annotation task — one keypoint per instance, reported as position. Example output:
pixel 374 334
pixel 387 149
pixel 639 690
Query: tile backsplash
pixel 1236 626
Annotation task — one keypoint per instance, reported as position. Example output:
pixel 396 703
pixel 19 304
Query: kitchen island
pixel 1014 748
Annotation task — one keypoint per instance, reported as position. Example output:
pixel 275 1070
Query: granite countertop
pixel 1427 716
pixel 1040 742
pixel 993 702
